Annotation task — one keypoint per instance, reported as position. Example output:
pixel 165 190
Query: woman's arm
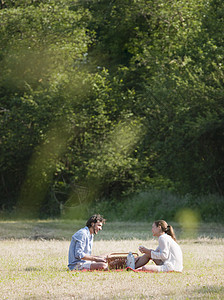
pixel 163 248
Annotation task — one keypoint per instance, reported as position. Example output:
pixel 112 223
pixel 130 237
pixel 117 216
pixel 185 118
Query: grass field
pixel 33 263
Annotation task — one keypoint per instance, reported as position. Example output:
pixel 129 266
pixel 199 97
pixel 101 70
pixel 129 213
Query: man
pixel 80 249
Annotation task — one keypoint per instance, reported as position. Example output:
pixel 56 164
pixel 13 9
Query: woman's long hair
pixel 166 228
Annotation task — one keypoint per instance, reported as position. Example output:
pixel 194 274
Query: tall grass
pixel 145 206
pixel 156 204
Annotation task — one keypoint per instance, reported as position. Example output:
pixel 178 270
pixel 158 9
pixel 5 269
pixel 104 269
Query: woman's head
pixel 163 227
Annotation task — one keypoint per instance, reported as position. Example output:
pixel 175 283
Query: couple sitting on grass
pixel 167 256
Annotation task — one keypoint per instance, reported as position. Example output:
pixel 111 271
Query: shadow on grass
pixel 209 290
pixel 64 229
pixel 32 269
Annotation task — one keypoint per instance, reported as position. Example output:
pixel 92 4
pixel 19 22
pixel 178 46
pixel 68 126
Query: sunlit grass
pixel 37 269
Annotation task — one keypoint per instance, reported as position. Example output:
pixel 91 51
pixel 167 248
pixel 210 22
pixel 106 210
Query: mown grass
pixel 33 263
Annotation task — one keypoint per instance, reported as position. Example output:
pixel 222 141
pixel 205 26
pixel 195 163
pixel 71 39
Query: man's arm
pixel 81 241
pixel 94 258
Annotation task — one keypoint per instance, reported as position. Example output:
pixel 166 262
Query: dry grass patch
pixel 38 270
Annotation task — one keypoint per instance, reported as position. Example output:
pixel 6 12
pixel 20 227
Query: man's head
pixel 95 223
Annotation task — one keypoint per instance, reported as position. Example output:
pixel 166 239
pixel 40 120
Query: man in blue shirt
pixel 79 256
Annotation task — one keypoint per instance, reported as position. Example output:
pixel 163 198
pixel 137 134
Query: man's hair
pixel 94 219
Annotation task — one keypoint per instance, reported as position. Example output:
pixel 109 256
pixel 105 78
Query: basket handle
pixel 124 253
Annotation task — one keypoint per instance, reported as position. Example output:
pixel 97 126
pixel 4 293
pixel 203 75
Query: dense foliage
pixel 103 99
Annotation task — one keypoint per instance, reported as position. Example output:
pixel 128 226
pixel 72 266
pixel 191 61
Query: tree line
pixel 104 99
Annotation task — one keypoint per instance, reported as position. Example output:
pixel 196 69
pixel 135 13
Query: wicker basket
pixel 118 260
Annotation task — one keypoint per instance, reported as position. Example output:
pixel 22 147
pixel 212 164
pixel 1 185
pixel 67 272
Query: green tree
pixel 40 47
pixel 118 101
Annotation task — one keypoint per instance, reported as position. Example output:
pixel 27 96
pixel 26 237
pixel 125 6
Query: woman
pixel 167 256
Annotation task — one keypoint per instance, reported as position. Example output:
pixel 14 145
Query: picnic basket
pixel 118 260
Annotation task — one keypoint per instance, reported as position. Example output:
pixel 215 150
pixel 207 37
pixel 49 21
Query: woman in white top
pixel 167 256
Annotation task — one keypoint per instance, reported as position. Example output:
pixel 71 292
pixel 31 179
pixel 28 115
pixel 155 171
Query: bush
pixel 160 204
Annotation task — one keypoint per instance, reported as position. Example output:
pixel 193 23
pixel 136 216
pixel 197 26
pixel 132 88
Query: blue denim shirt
pixel 81 245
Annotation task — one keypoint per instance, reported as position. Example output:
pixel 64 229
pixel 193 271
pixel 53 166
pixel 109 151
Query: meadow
pixel 33 263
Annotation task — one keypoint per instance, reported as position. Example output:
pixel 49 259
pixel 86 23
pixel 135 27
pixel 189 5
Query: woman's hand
pixel 144 250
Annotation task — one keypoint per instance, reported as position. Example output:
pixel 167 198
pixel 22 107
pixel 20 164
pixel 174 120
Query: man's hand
pixel 99 259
